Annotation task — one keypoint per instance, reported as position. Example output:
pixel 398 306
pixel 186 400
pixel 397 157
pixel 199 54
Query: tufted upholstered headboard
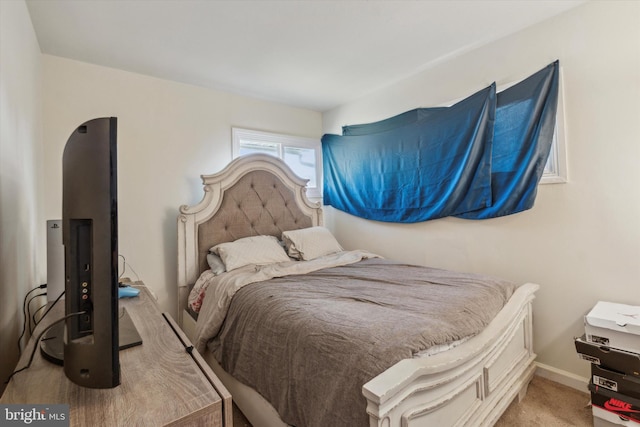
pixel 253 195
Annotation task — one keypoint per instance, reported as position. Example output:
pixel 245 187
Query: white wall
pixel 168 135
pixel 581 241
pixel 22 231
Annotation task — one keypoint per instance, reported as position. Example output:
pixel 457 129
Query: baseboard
pixel 563 377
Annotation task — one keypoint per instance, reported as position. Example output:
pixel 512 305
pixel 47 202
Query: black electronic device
pixel 90 237
pixel 87 344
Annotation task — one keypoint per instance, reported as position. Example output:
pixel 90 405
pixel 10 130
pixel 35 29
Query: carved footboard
pixel 470 385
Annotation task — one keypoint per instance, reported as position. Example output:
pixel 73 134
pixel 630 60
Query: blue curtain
pixel 525 122
pixel 410 117
pixel 480 158
pixel 439 165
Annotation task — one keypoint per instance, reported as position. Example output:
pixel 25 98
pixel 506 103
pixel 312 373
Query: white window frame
pixel 282 141
pixel 556 170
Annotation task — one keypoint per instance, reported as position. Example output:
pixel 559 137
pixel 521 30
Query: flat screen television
pixel 88 343
pixel 90 238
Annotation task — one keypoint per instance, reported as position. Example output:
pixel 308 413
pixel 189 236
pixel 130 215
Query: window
pixel 555 171
pixel 302 155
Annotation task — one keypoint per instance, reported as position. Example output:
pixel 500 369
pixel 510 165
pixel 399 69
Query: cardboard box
pixel 614 325
pixel 602 418
pixel 616 403
pixel 609 358
pixel 627 385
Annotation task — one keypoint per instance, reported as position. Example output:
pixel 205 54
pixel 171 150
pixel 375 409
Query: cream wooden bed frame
pixel 471 384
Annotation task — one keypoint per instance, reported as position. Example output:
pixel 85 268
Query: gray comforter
pixel 308 343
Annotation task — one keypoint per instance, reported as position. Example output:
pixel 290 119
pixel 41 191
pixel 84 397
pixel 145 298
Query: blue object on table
pixel 127 292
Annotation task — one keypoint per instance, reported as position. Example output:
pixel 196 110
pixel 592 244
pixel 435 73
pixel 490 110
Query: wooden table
pixel 161 382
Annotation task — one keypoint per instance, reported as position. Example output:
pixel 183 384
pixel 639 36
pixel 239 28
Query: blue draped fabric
pixel 429 168
pixel 524 127
pixel 516 148
pixel 407 118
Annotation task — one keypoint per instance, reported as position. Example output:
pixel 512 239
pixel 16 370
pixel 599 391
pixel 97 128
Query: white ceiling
pixel 305 53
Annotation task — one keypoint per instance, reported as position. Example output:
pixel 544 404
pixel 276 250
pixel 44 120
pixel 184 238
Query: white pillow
pixel 310 243
pixel 250 250
pixel 215 264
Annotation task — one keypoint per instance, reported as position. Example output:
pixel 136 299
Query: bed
pixel 469 381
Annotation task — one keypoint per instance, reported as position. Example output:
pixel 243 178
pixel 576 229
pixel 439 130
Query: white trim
pixel 562 377
pixel 239 134
pixel 556 170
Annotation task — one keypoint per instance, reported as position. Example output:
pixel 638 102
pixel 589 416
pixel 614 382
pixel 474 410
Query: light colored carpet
pixel 547 404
